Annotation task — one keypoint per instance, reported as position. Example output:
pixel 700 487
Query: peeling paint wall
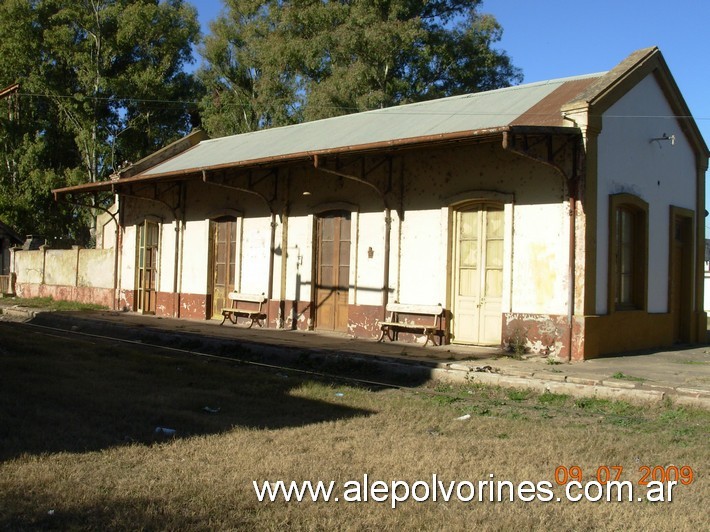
pixel 255 256
pixel 426 184
pixel 370 266
pixel 541 259
pixel 542 334
pixel 84 275
pixel 29 267
pixel 128 262
pixel 194 259
pixel 424 257
pixel 536 256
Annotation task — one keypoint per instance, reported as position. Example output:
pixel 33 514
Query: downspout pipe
pixel 179 252
pixel 284 267
pixel 386 280
pixel 571 184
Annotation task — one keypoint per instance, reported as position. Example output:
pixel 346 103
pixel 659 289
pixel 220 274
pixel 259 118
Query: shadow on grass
pixel 320 352
pixel 41 512
pixel 83 394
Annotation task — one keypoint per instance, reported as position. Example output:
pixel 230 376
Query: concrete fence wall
pixel 77 274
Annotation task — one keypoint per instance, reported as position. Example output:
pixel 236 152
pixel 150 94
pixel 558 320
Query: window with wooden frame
pixel 628 252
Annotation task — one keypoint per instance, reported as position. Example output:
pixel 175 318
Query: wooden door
pixel 223 232
pixel 146 267
pixel 681 278
pixel 478 274
pixel 332 271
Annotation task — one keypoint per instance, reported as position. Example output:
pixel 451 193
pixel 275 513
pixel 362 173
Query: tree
pixel 248 81
pixel 283 61
pixel 101 82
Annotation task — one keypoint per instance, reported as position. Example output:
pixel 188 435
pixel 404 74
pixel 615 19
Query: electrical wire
pixel 390 110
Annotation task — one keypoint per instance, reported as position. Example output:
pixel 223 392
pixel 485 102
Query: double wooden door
pixel 477 286
pixel 223 234
pixel 147 266
pixel 332 271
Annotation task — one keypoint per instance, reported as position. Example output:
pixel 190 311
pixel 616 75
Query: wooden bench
pixel 428 321
pixel 247 306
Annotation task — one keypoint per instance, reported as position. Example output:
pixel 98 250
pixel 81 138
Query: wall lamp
pixel 664 137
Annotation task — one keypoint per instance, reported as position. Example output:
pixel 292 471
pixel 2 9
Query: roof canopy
pixel 530 106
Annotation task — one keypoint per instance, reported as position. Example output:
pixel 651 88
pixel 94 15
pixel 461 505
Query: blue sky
pixel 558 38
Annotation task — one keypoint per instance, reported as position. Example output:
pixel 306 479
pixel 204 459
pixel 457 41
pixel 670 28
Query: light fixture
pixel 664 137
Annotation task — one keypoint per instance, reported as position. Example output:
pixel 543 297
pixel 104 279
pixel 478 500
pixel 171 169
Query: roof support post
pixel 179 250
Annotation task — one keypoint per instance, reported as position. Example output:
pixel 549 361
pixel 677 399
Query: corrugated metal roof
pixel 470 112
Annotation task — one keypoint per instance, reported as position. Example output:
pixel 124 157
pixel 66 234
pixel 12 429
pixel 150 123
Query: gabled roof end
pixel 613 78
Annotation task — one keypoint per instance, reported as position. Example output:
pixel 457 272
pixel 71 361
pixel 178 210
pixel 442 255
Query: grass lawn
pixel 50 303
pixel 78 447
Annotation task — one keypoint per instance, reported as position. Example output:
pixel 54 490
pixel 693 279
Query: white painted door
pixel 478 274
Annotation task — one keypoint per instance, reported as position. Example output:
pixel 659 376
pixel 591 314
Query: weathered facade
pixel 566 216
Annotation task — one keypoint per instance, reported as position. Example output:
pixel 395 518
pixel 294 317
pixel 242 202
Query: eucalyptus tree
pixel 283 61
pixel 100 82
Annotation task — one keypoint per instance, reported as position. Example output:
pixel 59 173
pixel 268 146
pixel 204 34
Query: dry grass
pixel 49 303
pixel 78 451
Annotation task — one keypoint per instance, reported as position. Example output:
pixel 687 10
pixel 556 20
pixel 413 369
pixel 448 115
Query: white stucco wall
pixel 423 254
pixel 194 256
pixel 255 256
pixel 96 267
pixel 541 258
pixel 128 259
pixel 536 227
pixel 535 257
pixel 299 259
pixel 166 253
pixel 656 171
pixel 370 271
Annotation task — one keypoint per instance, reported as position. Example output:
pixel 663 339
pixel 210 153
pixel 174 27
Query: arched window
pixel 628 252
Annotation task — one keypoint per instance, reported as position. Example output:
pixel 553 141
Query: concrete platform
pixel 681 375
